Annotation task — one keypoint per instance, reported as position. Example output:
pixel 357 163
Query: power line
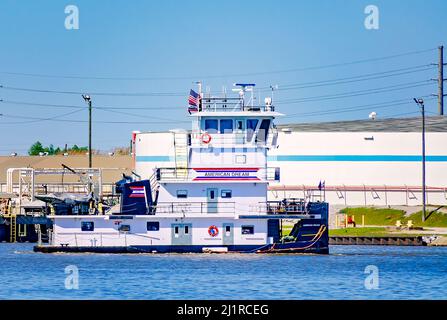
pixel 358 93
pixel 321 83
pixel 134 114
pixel 126 94
pixel 372 76
pixel 57 118
pixel 326 66
pixel 77 106
pixel 380 105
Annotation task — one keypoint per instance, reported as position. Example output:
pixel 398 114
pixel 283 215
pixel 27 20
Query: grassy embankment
pixel 382 220
pixel 387 218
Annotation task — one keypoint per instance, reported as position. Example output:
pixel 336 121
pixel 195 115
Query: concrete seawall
pixel 390 241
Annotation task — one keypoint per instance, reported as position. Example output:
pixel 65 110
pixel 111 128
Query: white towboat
pixel 213 199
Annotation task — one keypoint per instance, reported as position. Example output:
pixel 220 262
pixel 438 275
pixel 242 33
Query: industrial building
pixel 371 162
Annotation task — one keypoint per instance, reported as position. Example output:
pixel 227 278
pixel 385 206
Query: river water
pixel 391 273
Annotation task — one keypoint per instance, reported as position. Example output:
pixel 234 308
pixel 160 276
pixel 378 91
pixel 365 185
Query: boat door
pixel 228 235
pixel 239 132
pixel 181 234
pixel 211 198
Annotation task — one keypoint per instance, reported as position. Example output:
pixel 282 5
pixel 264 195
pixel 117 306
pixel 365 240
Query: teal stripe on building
pixel 153 159
pixel 356 158
pixel 324 158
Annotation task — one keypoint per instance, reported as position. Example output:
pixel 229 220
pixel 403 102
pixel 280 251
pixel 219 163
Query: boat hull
pixel 316 248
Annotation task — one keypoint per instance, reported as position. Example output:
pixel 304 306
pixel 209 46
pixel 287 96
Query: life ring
pixel 213 231
pixel 206 138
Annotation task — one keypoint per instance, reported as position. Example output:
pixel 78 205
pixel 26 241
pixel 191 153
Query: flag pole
pixel 199 107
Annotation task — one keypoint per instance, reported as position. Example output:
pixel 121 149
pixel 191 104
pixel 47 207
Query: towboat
pixel 209 194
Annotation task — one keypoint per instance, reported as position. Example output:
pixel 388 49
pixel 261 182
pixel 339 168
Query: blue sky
pixel 174 43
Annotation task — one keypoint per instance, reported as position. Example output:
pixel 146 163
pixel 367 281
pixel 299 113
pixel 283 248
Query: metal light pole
pixel 88 100
pixel 420 102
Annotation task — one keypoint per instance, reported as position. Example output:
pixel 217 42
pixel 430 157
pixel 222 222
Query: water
pixel 404 273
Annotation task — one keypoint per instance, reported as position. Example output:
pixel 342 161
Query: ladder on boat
pixel 155 188
pixel 12 228
pixel 181 155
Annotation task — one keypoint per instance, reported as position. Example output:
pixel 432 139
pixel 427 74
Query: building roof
pixel 414 124
pixel 113 166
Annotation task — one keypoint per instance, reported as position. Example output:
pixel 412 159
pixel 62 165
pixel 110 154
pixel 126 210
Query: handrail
pixel 222 104
pixel 195 207
pixel 234 138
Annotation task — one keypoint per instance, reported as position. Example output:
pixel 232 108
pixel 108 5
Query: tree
pixel 35 149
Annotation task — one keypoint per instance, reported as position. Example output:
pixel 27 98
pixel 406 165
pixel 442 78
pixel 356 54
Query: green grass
pixel 435 219
pixel 374 216
pixel 389 217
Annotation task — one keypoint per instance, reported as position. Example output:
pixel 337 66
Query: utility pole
pixel 88 100
pixel 420 102
pixel 441 81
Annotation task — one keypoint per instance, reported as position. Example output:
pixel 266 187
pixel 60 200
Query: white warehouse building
pixel 371 162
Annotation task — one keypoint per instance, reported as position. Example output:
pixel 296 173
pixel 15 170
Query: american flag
pixel 193 99
pixel 137 192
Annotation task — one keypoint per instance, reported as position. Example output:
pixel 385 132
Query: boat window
pixel 176 230
pixel 263 131
pixel 239 125
pixel 211 125
pixel 248 229
pixel 226 126
pixel 182 194
pixel 124 228
pixel 225 193
pixel 227 229
pixel 186 229
pixel 251 127
pixel 153 226
pixel 87 226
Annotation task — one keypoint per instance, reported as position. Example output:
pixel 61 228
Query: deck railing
pixel 195 208
pixel 213 104
pixel 296 206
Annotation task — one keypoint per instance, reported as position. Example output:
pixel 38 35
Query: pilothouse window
pixel 251 127
pixel 211 125
pixel 226 126
pixel 263 131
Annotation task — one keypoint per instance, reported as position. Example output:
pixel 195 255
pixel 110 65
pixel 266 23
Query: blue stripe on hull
pixel 317 248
